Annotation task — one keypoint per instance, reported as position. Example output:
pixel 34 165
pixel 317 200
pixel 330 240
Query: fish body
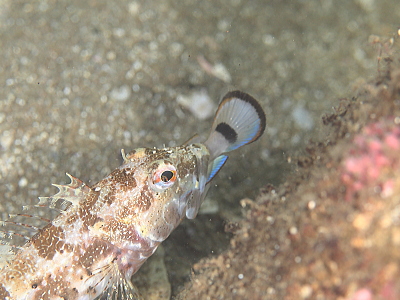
pixel 105 232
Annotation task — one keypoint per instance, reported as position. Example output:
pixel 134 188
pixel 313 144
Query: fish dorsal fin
pixel 239 121
pixel 7 253
pixel 17 229
pixel 216 166
pixel 71 193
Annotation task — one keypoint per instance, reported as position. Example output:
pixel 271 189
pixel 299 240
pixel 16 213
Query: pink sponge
pixel 374 151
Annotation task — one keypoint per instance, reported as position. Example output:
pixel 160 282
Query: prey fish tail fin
pixel 239 121
pixel 216 166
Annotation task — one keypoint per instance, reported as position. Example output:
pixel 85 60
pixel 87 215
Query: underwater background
pixel 81 80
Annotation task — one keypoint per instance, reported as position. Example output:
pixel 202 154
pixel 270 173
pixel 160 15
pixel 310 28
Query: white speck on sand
pixel 199 103
pixel 121 93
pixel 302 117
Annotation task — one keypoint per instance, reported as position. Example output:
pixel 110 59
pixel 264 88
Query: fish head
pixel 169 181
pixel 159 187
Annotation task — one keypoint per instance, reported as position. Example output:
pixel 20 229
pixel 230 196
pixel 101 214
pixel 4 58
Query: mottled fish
pixel 104 233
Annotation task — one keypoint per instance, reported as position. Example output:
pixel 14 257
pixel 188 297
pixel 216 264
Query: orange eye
pixel 164 176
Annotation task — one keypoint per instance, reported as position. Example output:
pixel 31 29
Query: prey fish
pixel 102 234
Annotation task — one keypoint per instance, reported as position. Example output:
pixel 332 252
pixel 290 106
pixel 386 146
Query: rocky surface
pixel 332 230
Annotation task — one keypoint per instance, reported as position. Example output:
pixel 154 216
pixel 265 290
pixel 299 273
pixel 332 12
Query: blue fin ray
pixel 216 166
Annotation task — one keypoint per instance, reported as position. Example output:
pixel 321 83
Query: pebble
pixel 198 103
pixel 121 93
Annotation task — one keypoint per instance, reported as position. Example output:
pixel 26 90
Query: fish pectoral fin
pixel 122 289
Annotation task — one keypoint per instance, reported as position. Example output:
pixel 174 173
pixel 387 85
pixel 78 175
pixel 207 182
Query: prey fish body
pixel 105 232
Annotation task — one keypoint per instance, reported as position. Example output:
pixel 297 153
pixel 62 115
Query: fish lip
pixel 196 194
pixel 182 203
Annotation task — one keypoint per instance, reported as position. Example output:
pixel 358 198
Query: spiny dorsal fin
pixel 15 232
pixel 73 193
pixel 17 229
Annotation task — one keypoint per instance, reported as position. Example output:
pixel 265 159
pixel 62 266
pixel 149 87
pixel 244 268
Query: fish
pixel 102 234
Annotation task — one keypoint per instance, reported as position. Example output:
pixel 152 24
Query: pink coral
pixel 375 149
pixel 362 294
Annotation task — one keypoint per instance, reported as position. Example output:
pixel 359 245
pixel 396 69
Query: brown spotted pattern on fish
pixel 104 233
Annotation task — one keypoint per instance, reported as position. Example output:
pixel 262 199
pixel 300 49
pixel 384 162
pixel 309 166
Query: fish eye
pixel 164 176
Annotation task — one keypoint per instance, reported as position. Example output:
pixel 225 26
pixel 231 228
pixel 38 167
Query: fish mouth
pixel 195 193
